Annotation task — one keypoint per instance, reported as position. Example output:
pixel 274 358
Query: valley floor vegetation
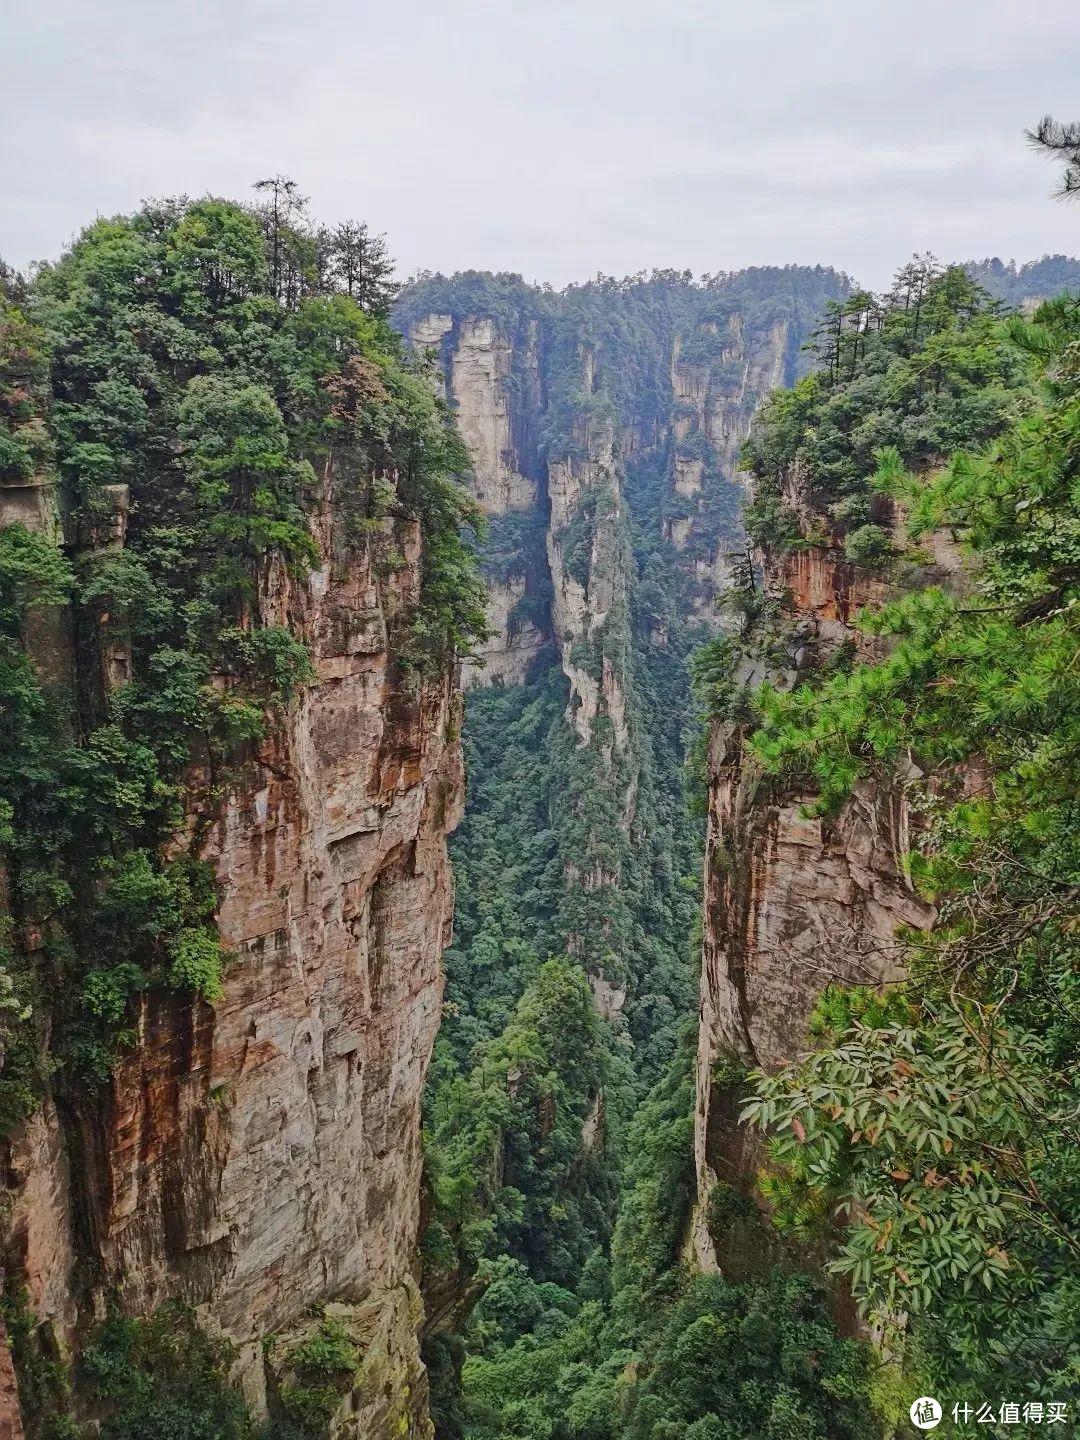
pixel 227 363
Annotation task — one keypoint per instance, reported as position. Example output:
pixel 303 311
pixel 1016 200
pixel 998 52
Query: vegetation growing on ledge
pixel 163 1378
pixel 193 374
pixel 942 1127
pixel 157 1378
pixel 921 370
pixel 322 1371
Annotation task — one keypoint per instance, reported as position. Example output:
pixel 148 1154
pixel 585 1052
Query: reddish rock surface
pixel 792 903
pixel 262 1155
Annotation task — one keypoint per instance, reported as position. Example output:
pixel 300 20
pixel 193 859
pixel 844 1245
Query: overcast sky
pixel 551 138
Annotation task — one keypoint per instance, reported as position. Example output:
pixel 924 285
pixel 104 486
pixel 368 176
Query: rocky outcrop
pixel 588 565
pixel 714 403
pixel 496 375
pixel 650 437
pixel 502 376
pixel 793 902
pixel 261 1156
pixel 478 382
pixel 491 380
pixel 11 1427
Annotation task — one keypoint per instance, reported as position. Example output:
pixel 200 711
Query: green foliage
pixel 236 446
pixel 1037 280
pixel 44 1385
pixel 506 863
pixel 24 441
pixel 545 1362
pixel 33 574
pixel 941 1124
pixel 867 545
pixel 645 1351
pixel 547 861
pixel 163 1379
pixel 195 961
pixel 322 1369
pixel 754 1360
pixel 271 661
pixel 469 292
pixel 505 1148
pixel 657 1193
pixel 360 263
pixel 593 506
pixel 725 1205
pixel 712 670
pixel 191 354
pixel 922 370
pixel 935 1102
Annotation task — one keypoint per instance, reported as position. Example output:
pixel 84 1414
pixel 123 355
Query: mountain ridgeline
pixel 583 1164
pixel 294 1146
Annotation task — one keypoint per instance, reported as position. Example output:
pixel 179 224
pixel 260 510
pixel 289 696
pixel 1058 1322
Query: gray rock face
pixel 719 412
pixel 494 391
pixel 494 375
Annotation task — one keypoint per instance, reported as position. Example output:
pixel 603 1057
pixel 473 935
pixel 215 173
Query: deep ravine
pixel 290 1148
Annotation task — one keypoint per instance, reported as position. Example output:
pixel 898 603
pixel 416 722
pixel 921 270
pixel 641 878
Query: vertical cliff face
pixel 261 1156
pixel 491 378
pixel 799 896
pixel 715 396
pixel 604 427
pixel 793 902
pixel 645 388
pixel 224 882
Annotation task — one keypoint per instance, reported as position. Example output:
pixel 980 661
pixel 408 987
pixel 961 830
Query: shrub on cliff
pixel 946 1133
pixel 163 1378
pixel 191 385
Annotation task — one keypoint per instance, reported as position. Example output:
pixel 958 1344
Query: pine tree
pixel 911 286
pixel 361 264
pixel 825 341
pixel 292 247
pixel 1062 141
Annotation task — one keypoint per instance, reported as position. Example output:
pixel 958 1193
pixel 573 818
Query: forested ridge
pixel 939 1119
pixel 222 387
pixel 181 396
pixel 201 361
pixel 613 1337
pixel 935 1117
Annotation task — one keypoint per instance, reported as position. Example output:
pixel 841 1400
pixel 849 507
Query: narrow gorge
pixel 604 426
pixel 607 428
pixel 452 800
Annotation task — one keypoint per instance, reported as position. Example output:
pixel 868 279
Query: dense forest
pixel 208 416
